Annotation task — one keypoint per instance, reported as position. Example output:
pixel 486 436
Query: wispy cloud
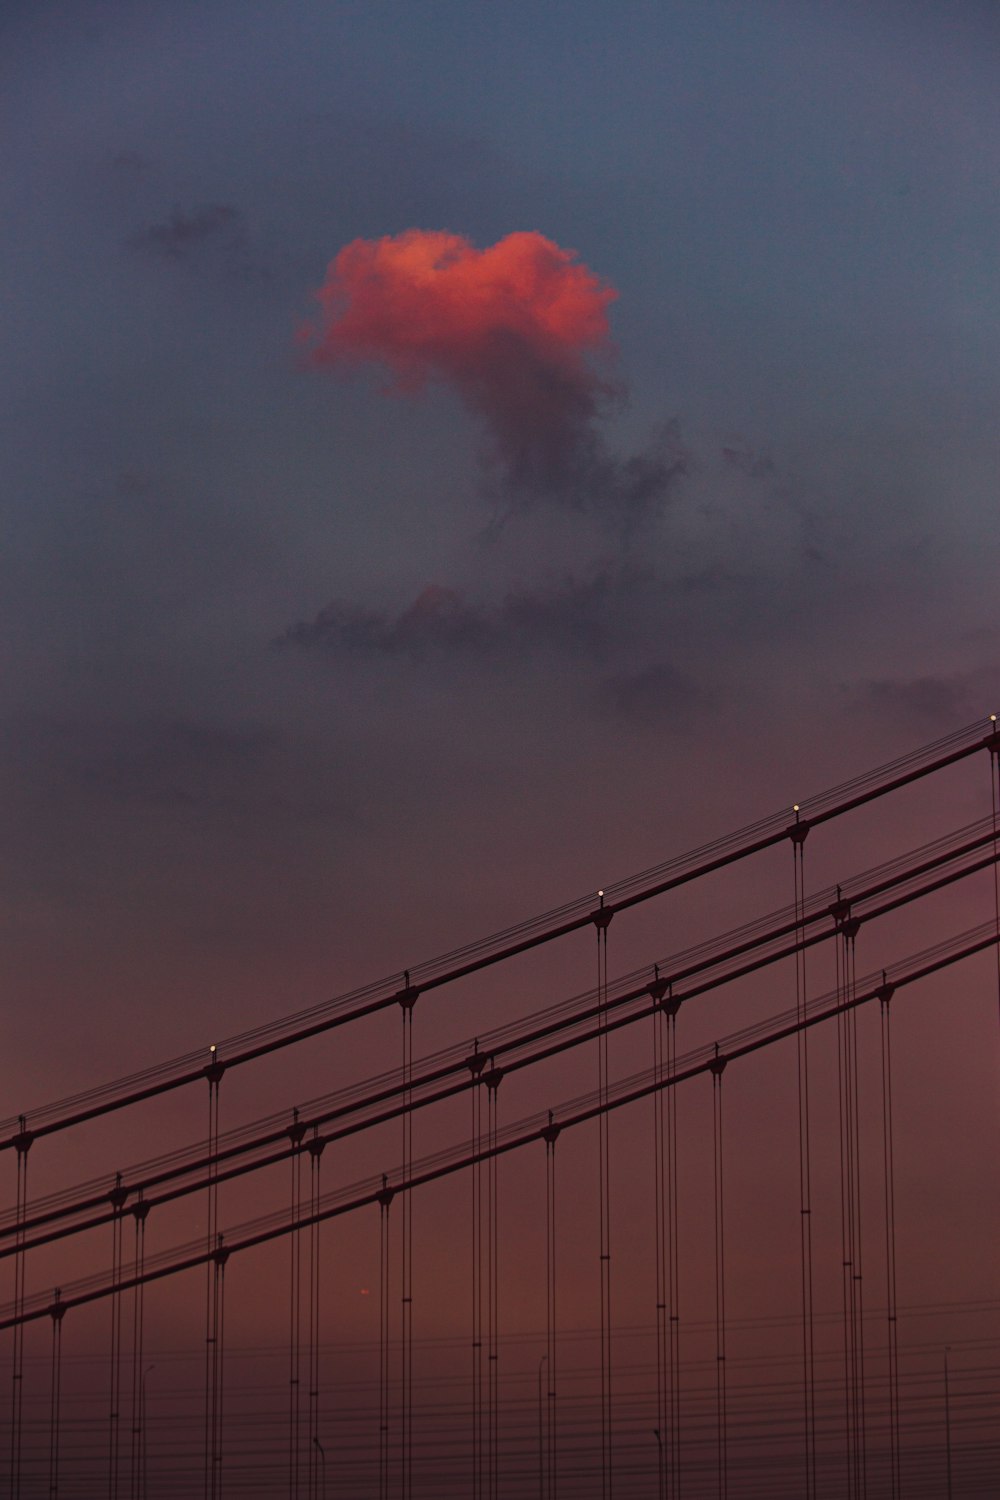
pixel 572 615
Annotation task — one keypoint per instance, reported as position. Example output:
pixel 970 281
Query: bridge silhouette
pixel 687 1187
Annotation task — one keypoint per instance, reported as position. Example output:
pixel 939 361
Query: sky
pixel 323 654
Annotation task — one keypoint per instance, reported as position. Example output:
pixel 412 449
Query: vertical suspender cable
pixel 22 1143
pixel 477 1062
pixel 658 990
pixel 890 1242
pixel 406 1310
pixel 117 1195
pixel 494 1311
pixel 477 1310
pixel 492 1081
pixel 671 1007
pixel 947 1426
pixel 995 801
pixel 219 1257
pixel 798 833
pixel 665 1179
pixel 315 1153
pixel 541 1434
pixel 846 1228
pixel 213 1457
pixel 140 1211
pixel 407 999
pixel 384 1200
pixel 660 1215
pixel 213 1074
pixel 602 918
pixel 851 930
pixel 551 1134
pixel 850 1167
pixel 995 805
pixel 56 1312
pixel 489 1451
pixel 721 1414
pixel 296 1132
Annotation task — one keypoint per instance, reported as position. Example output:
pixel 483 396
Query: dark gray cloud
pixel 582 473
pixel 574 615
pixel 186 232
pixel 615 614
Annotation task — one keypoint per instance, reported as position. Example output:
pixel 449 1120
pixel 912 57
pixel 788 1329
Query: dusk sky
pixel 338 632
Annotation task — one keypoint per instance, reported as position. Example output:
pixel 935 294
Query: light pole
pixel 322 1455
pixel 541 1444
pixel 659 1456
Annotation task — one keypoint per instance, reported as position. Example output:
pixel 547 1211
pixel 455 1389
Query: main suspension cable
pixel 559 1021
pixel 579 1112
pixel 572 917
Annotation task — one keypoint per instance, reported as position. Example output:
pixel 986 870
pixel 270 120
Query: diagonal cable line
pixel 951 857
pixel 576 915
pixel 525 1132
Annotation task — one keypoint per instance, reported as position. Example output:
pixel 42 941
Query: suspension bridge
pixel 687 1187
